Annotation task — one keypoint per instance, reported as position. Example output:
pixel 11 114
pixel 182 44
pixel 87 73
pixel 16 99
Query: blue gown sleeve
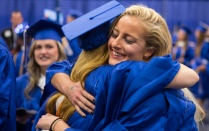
pixel 7 91
pixel 42 111
pixel 181 112
pixel 57 67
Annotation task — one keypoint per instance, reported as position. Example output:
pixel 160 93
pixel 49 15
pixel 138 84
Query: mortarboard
pixel 186 30
pixel 202 27
pixel 45 29
pixel 92 29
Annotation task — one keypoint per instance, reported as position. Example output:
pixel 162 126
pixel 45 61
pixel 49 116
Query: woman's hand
pixel 45 121
pixel 49 120
pixel 80 98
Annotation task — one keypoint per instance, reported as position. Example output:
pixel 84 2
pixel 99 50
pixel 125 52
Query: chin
pixel 44 64
pixel 113 62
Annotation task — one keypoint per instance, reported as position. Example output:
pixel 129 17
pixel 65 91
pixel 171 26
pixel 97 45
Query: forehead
pixel 45 42
pixel 130 24
pixel 16 14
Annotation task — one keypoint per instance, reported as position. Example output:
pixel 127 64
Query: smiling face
pixel 46 52
pixel 127 41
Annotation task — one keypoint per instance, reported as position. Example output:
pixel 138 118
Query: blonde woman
pixel 45 50
pixel 129 95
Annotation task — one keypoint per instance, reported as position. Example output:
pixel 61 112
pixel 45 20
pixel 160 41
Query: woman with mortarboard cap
pixel 201 62
pixel 116 91
pixel 45 49
pixel 183 50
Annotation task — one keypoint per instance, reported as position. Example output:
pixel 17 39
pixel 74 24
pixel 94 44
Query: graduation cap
pixel 186 30
pixel 92 29
pixel 45 29
pixel 42 30
pixel 202 27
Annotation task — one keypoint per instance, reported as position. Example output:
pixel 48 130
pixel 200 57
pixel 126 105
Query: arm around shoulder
pixel 186 77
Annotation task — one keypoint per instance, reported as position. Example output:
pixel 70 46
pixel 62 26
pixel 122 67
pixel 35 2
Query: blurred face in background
pixel 46 52
pixel 16 19
pixel 69 18
pixel 181 35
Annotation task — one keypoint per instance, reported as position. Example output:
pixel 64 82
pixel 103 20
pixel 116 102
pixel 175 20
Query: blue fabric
pixel 94 23
pixel 90 85
pixel 3 43
pixel 45 29
pixel 204 76
pixel 76 50
pixel 47 34
pixel 57 67
pixel 130 96
pixel 181 112
pixel 26 103
pixel 188 56
pixel 201 89
pixel 7 91
pixel 22 101
pixel 19 63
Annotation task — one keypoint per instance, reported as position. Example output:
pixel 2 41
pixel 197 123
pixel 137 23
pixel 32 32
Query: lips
pixel 117 55
pixel 44 58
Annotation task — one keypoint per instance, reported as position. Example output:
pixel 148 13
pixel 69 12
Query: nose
pixel 43 50
pixel 116 43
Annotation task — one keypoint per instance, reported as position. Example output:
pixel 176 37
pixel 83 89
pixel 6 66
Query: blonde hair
pixel 34 70
pixel 87 61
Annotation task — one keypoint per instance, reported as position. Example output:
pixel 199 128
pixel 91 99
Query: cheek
pixel 136 53
pixel 55 54
pixel 110 41
pixel 36 53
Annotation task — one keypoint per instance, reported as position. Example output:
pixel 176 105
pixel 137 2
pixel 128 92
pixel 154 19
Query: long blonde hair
pixel 87 61
pixel 34 70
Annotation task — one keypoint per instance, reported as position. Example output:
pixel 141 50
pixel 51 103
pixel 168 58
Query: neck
pixel 43 70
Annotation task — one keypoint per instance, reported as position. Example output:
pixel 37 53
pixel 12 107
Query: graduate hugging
pixel 124 79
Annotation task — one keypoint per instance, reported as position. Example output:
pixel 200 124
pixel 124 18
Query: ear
pixel 148 53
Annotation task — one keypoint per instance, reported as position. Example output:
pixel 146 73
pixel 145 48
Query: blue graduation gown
pixel 188 56
pixel 127 98
pixel 19 64
pixel 201 89
pixel 58 67
pixel 23 102
pixel 204 76
pixel 7 91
